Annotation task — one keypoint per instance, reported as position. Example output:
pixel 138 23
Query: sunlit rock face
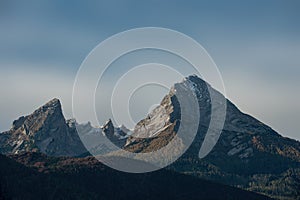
pixel 45 130
pixel 244 140
pixel 248 153
pixel 162 124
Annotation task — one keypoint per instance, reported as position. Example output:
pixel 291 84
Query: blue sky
pixel 255 44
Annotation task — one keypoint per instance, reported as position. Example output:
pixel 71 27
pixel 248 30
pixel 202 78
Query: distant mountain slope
pixel 86 178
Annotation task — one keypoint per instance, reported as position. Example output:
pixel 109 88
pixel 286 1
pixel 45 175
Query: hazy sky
pixel 255 44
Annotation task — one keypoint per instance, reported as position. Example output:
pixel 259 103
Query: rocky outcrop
pixel 248 153
pixel 244 139
pixel 45 130
pixel 117 135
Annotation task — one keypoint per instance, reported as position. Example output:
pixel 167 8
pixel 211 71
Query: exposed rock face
pixel 242 139
pixel 45 130
pixel 100 140
pixel 246 153
pixel 161 125
pixel 117 136
pixel 155 131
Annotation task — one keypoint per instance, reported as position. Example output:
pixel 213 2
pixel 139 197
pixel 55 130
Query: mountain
pixel 37 176
pixel 116 135
pixel 45 130
pixel 243 138
pixel 248 154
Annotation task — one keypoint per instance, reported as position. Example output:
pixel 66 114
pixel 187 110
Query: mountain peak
pixel 194 78
pixel 52 104
pixel 107 125
pixel 45 130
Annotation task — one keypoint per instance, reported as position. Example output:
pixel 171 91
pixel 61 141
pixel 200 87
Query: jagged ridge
pixel 45 130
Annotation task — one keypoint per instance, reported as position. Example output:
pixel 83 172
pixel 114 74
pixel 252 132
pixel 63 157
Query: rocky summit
pixel 45 130
pixel 243 138
pixel 247 154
